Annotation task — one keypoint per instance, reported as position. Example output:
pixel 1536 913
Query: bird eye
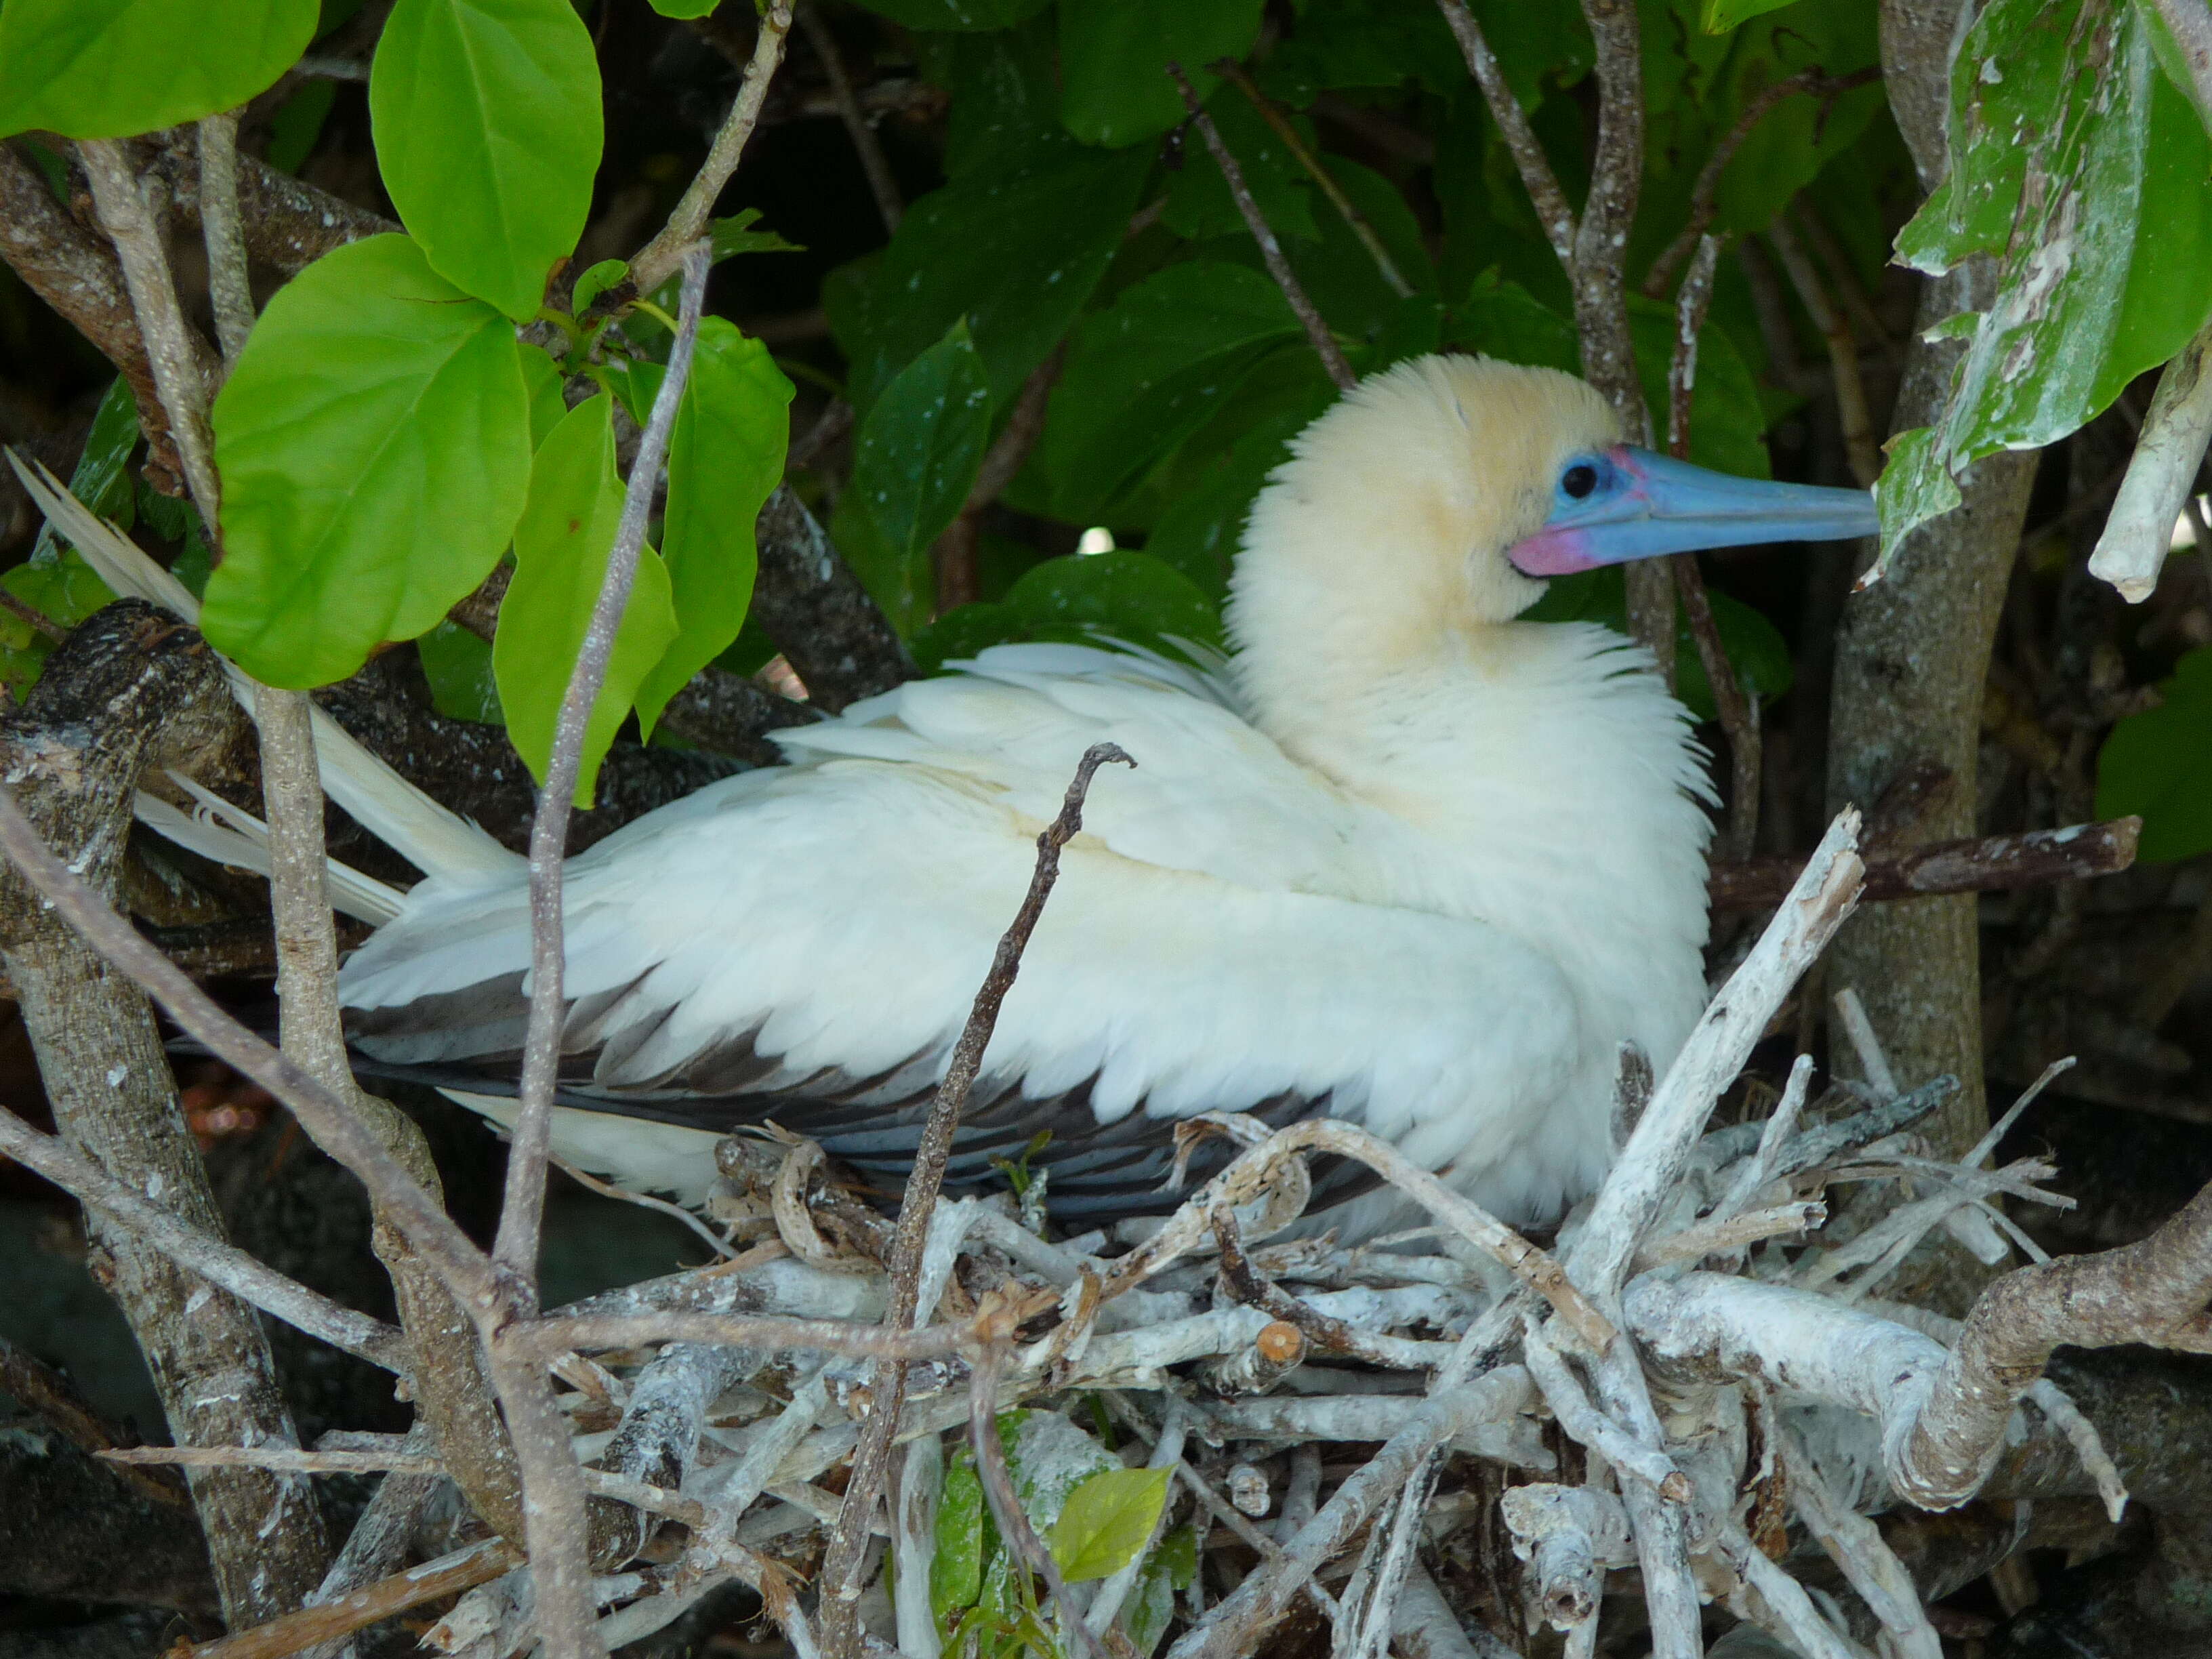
pixel 1579 480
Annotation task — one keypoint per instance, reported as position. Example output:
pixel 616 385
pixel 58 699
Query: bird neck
pixel 1538 776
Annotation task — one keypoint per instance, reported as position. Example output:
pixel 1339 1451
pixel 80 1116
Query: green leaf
pixel 63 588
pixel 1753 646
pixel 541 375
pixel 101 480
pixel 1719 16
pixel 297 124
pixel 2121 171
pixel 964 1534
pixel 110 69
pixel 374 446
pixel 966 16
pixel 725 456
pixel 1125 596
pixel 1114 55
pixel 1915 486
pixel 2159 763
pixel 1107 1522
pixel 560 548
pixel 1366 43
pixel 595 282
pixel 1143 375
pixel 735 236
pixel 1199 532
pixel 684 9
pixel 1005 90
pixel 486 118
pixel 1502 319
pixel 916 459
pixel 1727 418
pixel 1198 204
pixel 1015 248
pixel 457 665
pixel 1172 1566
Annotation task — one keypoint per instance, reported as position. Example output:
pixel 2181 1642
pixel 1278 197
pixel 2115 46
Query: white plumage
pixel 1401 858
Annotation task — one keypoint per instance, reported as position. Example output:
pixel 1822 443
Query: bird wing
pixel 803 943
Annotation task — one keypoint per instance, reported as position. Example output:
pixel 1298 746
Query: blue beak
pixel 1633 504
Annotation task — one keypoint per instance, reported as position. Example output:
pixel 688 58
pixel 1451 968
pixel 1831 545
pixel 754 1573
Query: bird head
pixel 1440 494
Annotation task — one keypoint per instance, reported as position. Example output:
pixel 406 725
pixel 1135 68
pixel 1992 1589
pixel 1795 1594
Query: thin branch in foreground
pixel 2161 482
pixel 841 1563
pixel 521 1213
pixel 1537 178
pixel 449 1575
pixel 218 1263
pixel 228 292
pixel 1234 72
pixel 1324 344
pixel 1738 719
pixel 1979 865
pixel 1006 1509
pixel 428 1227
pixel 660 258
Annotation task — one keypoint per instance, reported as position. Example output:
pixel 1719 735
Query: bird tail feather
pixel 434 839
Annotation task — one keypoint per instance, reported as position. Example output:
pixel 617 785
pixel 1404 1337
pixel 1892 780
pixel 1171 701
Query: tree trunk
pixel 127 691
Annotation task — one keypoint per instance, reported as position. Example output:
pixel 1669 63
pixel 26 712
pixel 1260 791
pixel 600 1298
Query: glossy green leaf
pixel 1106 1521
pixel 735 234
pixel 1915 486
pixel 296 125
pixel 1114 55
pixel 374 446
pixel 964 1536
pixel 486 118
pixel 1363 43
pixel 725 456
pixel 541 376
pixel 916 459
pixel 1015 248
pixel 2121 174
pixel 1200 531
pixel 595 282
pixel 1727 417
pixel 1198 204
pixel 1145 373
pixel 1004 88
pixel 60 586
pixel 102 479
pixel 1172 1566
pixel 2159 763
pixel 1499 318
pixel 1125 596
pixel 561 548
pixel 457 666
pixel 110 69
pixel 962 15
pixel 1719 16
pixel 684 9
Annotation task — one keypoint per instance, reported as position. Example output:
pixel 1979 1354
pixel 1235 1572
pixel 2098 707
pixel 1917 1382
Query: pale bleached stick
pixel 1652 1164
pixel 2162 475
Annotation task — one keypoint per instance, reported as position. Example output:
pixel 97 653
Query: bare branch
pixel 209 1257
pixel 840 1566
pixel 658 259
pixel 2161 476
pixel 433 1581
pixel 228 291
pixel 1535 167
pixel 516 1252
pixel 1229 70
pixel 1842 350
pixel 1652 1163
pixel 1982 864
pixel 1324 344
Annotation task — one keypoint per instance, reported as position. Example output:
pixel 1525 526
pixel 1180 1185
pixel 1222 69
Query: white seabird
pixel 1399 859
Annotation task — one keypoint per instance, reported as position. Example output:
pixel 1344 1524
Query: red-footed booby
pixel 1400 858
